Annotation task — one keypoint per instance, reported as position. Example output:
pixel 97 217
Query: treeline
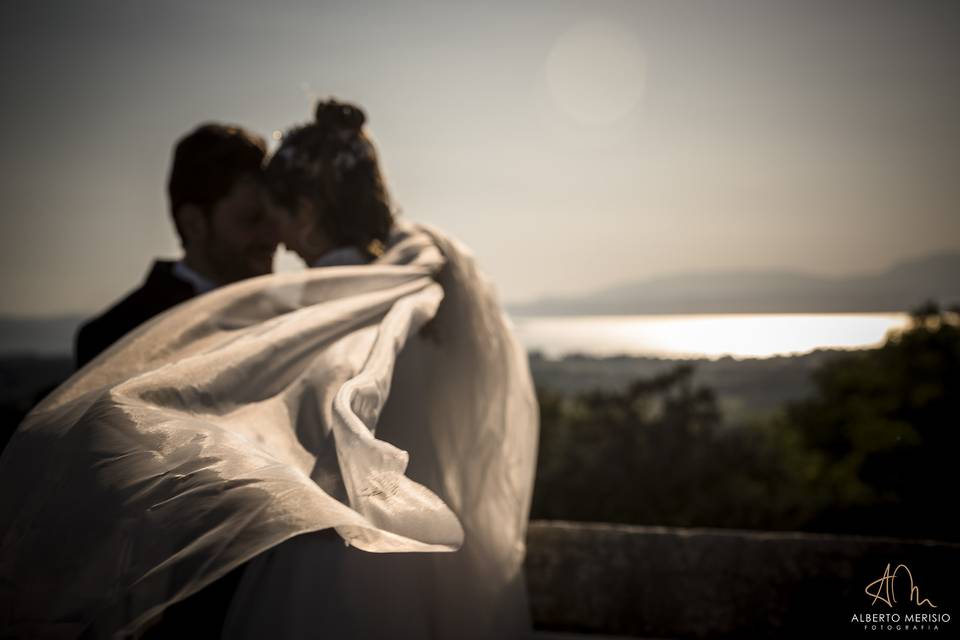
pixel 870 451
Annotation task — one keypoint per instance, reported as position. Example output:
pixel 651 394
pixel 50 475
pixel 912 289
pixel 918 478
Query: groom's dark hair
pixel 208 161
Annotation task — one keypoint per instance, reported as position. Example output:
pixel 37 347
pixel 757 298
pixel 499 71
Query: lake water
pixel 707 335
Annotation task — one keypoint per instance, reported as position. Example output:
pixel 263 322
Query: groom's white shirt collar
pixel 201 284
pixel 340 256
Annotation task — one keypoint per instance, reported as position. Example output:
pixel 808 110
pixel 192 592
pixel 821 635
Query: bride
pixel 363 437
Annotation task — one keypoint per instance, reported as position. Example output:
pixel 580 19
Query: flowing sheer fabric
pixel 366 434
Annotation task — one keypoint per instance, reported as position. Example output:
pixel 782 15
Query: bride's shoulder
pixel 404 229
pixel 411 238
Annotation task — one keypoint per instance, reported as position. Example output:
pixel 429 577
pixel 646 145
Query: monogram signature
pixel 884 588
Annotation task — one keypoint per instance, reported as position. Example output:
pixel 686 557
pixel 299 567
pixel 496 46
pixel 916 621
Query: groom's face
pixel 241 238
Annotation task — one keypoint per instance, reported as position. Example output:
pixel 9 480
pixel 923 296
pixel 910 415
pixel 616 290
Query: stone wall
pixel 715 583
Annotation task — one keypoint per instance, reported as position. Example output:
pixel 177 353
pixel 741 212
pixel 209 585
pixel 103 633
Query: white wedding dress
pixel 365 435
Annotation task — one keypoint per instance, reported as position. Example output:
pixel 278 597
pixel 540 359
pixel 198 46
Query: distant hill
pixel 899 288
pixel 43 336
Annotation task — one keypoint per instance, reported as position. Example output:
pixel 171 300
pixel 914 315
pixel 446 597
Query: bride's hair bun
pixel 339 115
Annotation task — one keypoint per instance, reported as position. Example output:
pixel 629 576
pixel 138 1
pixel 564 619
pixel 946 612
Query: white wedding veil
pixel 269 409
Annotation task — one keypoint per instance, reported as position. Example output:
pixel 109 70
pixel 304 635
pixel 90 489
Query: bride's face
pixel 298 229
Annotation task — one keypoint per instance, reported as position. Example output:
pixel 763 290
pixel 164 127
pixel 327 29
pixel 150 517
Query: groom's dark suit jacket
pixel 200 615
pixel 160 291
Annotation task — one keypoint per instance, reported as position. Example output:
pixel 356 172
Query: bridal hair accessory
pixel 376 247
pixel 336 143
pixel 355 152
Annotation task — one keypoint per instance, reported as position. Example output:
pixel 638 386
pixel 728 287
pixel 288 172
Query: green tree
pixel 658 453
pixel 870 451
pixel 886 422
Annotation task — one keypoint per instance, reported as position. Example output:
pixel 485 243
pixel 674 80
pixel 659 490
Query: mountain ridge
pixel 899 287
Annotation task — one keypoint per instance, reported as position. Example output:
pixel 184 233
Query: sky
pixel 571 145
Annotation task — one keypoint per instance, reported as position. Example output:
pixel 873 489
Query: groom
pixel 225 233
pixel 217 210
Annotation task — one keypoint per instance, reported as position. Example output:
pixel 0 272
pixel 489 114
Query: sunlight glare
pixel 596 72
